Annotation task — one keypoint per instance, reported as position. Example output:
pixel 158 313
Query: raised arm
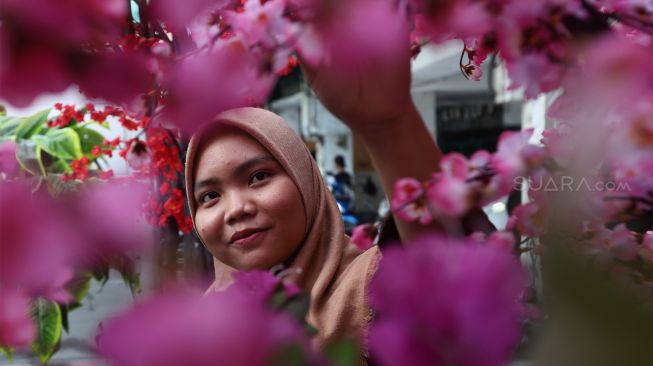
pixel 376 104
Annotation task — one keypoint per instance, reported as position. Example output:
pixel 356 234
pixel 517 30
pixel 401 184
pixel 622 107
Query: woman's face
pixel 249 212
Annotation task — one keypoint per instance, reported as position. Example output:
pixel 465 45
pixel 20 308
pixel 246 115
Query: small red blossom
pixel 96 151
pixel 106 174
pixel 80 169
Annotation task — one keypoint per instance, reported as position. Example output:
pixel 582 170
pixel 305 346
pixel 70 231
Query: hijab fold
pixel 332 269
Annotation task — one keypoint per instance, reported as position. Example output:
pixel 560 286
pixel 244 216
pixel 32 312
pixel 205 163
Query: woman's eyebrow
pixel 240 169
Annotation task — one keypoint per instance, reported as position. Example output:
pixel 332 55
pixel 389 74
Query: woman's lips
pixel 250 239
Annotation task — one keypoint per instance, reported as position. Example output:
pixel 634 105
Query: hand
pixel 367 98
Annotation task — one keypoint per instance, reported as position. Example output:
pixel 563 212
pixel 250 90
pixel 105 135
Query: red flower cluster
pixel 69 116
pixel 80 170
pixel 158 155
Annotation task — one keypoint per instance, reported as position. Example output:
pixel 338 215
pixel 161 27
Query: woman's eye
pixel 208 196
pixel 259 176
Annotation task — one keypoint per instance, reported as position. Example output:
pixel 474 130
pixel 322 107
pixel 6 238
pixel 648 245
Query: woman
pixel 257 198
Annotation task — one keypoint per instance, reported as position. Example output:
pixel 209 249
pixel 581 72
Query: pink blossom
pixel 264 27
pixel 17 330
pixel 183 327
pixel 29 72
pixel 467 285
pixel 360 32
pixel 620 242
pixel 178 17
pixel 515 157
pixel 447 19
pixel 455 165
pixel 262 24
pixel 503 240
pixel 536 73
pixel 8 163
pixel 407 201
pixel 117 77
pixel 39 55
pixel 449 196
pixel 529 219
pixel 363 236
pixel 115 202
pixel 260 285
pixel 206 84
pixel 35 258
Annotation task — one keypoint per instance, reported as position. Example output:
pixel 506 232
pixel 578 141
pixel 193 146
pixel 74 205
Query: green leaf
pixel 28 156
pixel 8 352
pixel 8 127
pixel 32 125
pixel 78 287
pixel 89 138
pixel 64 317
pixel 48 317
pixel 343 353
pixel 62 143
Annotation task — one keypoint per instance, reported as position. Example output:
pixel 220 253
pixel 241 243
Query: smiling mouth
pixel 249 238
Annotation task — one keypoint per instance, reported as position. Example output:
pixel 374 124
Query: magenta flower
pixel 261 285
pixel 183 328
pixel 8 163
pixel 39 55
pixel 504 240
pixel 448 19
pixel 116 202
pixel 363 236
pixel 449 196
pixel 407 201
pixel 447 302
pixel 360 32
pixel 17 330
pixel 206 84
pixel 619 242
pixel 529 219
pixel 35 258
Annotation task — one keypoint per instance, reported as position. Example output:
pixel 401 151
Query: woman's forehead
pixel 227 147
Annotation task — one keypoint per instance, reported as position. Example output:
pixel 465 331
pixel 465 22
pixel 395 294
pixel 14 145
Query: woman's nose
pixel 239 206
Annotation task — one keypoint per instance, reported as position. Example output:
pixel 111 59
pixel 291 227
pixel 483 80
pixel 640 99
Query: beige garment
pixel 333 270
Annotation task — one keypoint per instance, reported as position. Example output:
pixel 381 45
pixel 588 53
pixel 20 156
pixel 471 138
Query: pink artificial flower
pixel 39 55
pixel 261 24
pixel 536 73
pixel 179 17
pixel 360 32
pixel 17 329
pixel 620 242
pixel 455 165
pixel 449 196
pixel 515 157
pixel 261 285
pixel 35 257
pixel 184 327
pixel 448 19
pixel 466 285
pixel 111 220
pixel 363 236
pixel 528 219
pixel 8 164
pixel 29 72
pixel 503 240
pixel 120 78
pixel 206 84
pixel 407 201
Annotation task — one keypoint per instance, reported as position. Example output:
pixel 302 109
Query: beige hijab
pixel 333 270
